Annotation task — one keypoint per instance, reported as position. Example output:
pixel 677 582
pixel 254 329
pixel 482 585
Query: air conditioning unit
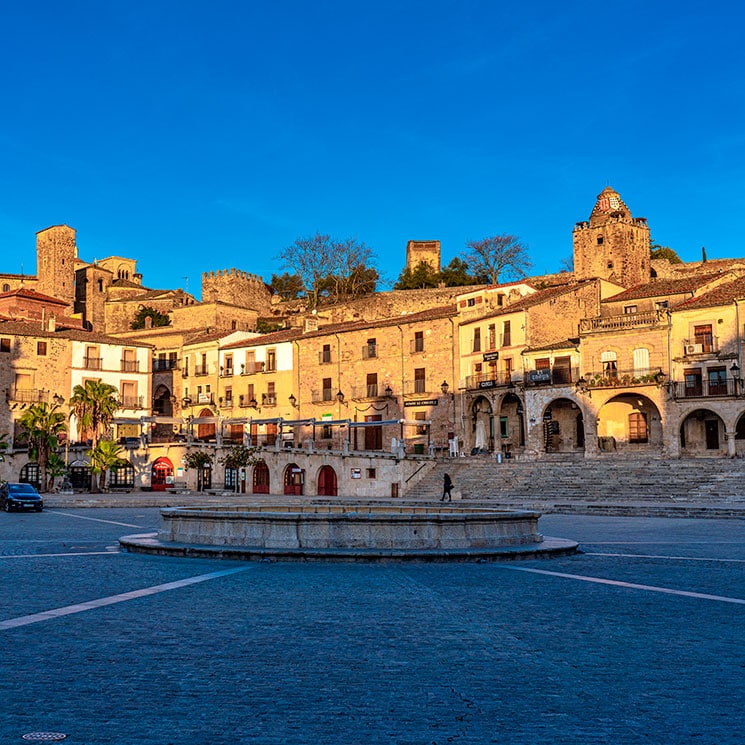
pixel 694 348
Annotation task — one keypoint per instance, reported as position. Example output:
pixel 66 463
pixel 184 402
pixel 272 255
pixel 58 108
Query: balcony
pixel 130 366
pixel 700 346
pixel 226 403
pixel 92 363
pixel 205 398
pixel 268 399
pixel 621 378
pixel 557 375
pixel 130 402
pixel 200 370
pixel 417 387
pixel 27 396
pixel 491 380
pixel 372 390
pixel 699 388
pixel 164 365
pixel 323 396
pixel 226 372
pixel 252 368
pixel 623 321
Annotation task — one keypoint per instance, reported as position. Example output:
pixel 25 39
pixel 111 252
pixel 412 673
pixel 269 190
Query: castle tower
pixel 55 262
pixel 613 245
pixel 423 251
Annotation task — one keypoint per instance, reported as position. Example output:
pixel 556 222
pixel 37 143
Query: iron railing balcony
pixel 130 402
pixel 163 365
pixel 557 375
pixel 92 363
pixel 130 366
pixel 200 370
pixel 622 321
pixel 707 388
pixel 27 395
pixel 252 368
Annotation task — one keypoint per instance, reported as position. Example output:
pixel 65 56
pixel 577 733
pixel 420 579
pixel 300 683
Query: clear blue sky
pixel 197 136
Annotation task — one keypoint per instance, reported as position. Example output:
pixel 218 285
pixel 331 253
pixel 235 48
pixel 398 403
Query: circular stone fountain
pixel 348 532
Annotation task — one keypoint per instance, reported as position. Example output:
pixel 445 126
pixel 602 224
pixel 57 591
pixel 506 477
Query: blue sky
pixel 199 136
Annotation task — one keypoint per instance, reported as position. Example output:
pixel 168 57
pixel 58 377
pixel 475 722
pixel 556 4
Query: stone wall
pixel 238 288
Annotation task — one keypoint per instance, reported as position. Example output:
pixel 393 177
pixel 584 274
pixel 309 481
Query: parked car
pixel 20 497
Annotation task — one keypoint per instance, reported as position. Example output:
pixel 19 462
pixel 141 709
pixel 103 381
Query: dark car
pixel 20 497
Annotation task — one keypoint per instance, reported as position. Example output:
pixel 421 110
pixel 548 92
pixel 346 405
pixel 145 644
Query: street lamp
pixel 340 398
pixel 293 401
pixel 735 370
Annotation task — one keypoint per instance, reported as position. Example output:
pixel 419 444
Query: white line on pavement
pixel 95 519
pixel 660 556
pixel 630 585
pixel 113 552
pixel 48 615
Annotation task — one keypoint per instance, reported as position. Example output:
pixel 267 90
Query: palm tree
pixel 55 467
pixel 104 457
pixel 44 424
pixel 93 405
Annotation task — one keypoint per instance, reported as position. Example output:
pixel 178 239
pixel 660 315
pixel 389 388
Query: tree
pixel 490 258
pixel 457 274
pixel 198 459
pixel 656 251
pixel 3 445
pixel 56 467
pixel 104 456
pixel 239 457
pixel 43 424
pixel 158 318
pixel 421 277
pixel 288 286
pixel 93 405
pixel 336 268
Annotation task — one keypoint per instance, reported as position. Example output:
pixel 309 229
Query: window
pixel 372 473
pixel 370 350
pixel 703 336
pixel 41 348
pixel 271 360
pixel 418 341
pixel 326 432
pixel 419 380
pixel 228 396
pixel 92 360
pixel 326 388
pixel 476 340
pixel 129 360
pixel 6 288
pixel 4 345
pixel 641 361
pixel 420 416
pixel 609 363
pixel 562 370
pixel 504 431
pixel 492 337
pixel 228 364
pixel 372 385
pixel 638 427
pixel 628 309
pixel 506 334
pixel 471 302
pixel 717 378
pixel 128 397
pixel 507 362
pixel 326 354
pixel 600 240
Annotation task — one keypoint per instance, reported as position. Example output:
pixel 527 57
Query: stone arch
pixel 702 432
pixel 481 433
pixel 510 424
pixel 294 479
pixel 740 435
pixel 563 427
pixel 327 482
pixel 629 422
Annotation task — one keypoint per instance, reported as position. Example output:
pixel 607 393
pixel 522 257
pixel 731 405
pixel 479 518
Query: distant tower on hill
pixel 423 251
pixel 55 262
pixel 235 287
pixel 613 245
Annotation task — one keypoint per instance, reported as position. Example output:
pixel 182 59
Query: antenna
pixel 186 284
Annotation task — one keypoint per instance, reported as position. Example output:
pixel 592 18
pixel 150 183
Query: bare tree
pixel 337 268
pixel 491 257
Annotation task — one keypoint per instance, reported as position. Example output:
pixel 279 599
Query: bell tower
pixel 612 245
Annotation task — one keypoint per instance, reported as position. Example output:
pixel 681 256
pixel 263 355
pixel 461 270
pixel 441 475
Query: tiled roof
pixel 560 344
pixel 37 328
pixel 724 294
pixel 664 288
pixel 32 295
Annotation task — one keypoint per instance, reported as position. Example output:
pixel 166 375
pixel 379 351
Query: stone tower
pixel 55 262
pixel 613 245
pixel 423 251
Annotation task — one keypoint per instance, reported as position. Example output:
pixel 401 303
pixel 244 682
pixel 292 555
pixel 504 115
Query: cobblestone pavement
pixel 640 639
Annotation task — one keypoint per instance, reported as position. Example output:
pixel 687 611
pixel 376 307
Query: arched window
pixel 641 361
pixel 610 366
pixel 6 287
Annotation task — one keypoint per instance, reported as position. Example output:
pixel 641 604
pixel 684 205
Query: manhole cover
pixel 44 736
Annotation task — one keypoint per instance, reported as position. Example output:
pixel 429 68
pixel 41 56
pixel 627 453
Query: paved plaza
pixel 639 639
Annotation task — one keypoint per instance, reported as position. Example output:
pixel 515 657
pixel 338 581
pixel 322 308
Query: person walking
pixel 446 488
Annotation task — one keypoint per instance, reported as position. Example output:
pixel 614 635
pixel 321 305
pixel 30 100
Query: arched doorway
pixel 261 478
pixel 482 426
pixel 162 407
pixel 161 474
pixel 511 425
pixel 740 436
pixel 702 433
pixel 563 427
pixel 327 485
pixel 206 431
pixel 629 422
pixel 294 479
pixel 79 475
pixel 31 474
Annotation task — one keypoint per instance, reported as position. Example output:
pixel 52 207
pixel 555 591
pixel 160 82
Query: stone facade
pixel 427 252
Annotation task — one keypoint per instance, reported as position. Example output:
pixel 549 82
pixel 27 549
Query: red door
pixel 294 479
pixel 161 474
pixel 327 482
pixel 261 478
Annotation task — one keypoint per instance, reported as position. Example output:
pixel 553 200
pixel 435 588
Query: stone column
pixel 731 444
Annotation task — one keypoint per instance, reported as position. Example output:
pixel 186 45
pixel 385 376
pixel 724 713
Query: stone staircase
pixel 615 486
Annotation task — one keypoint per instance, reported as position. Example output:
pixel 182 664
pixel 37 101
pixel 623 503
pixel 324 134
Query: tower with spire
pixel 612 245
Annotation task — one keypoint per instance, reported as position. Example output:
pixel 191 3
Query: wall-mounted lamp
pixel 388 392
pixel 253 404
pixel 59 400
pixel 581 385
pixel 340 399
pixel 293 401
pixel 186 401
pixel 444 388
